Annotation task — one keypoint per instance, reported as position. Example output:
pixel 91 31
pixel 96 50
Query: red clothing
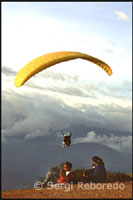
pixel 63 179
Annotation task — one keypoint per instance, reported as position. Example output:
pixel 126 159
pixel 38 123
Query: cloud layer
pixel 123 143
pixel 54 101
pixel 33 115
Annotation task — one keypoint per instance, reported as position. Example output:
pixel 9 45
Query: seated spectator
pixel 98 173
pixel 63 178
pixel 87 174
pixel 66 176
pixel 69 172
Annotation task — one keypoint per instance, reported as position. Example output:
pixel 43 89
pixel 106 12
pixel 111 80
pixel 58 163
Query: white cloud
pixel 36 114
pixel 119 143
pixel 34 134
pixel 121 15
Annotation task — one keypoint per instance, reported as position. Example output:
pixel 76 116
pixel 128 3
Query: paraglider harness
pixel 66 139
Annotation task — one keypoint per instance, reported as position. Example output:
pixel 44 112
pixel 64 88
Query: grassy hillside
pixel 118 185
pixel 75 192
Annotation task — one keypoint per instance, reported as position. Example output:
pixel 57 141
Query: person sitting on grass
pixel 63 178
pixel 98 173
pixel 87 174
pixel 69 172
pixel 68 175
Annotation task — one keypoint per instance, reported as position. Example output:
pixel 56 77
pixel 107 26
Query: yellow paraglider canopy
pixel 47 60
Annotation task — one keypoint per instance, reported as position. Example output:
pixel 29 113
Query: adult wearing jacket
pixel 99 174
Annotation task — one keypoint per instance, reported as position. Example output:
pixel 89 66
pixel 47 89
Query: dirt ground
pixel 77 191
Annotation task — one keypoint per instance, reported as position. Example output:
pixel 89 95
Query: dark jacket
pixel 70 177
pixel 99 174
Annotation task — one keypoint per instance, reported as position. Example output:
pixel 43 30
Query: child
pixel 63 178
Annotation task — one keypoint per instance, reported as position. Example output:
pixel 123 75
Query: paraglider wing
pixel 47 60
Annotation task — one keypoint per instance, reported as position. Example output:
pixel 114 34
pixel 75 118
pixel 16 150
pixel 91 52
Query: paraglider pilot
pixel 66 139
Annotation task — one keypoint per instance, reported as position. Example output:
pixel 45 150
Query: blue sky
pixel 57 26
pixel 100 29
